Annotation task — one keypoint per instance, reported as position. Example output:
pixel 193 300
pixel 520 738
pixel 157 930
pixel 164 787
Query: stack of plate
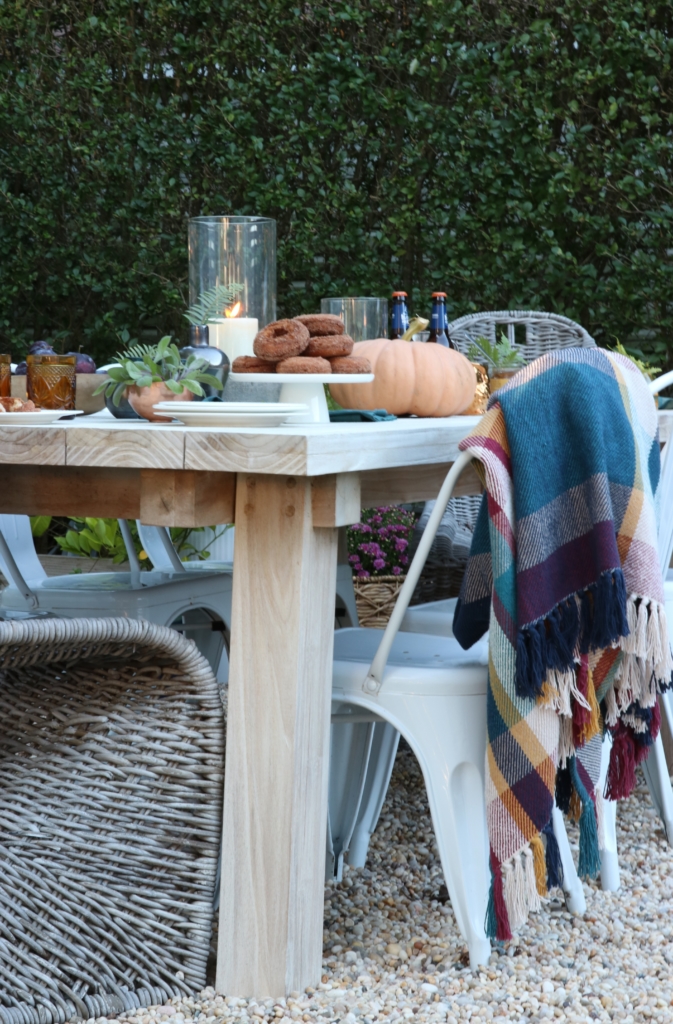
pixel 231 414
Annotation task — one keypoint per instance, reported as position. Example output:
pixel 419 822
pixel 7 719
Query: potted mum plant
pixel 502 359
pixel 378 556
pixel 148 374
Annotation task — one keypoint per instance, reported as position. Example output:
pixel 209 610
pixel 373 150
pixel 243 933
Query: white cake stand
pixel 304 387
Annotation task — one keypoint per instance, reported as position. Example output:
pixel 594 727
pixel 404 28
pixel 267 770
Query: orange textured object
pixel 410 378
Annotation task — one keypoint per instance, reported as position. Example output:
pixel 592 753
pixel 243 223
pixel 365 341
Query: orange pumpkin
pixel 410 377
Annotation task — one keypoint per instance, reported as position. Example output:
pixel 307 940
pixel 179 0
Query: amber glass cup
pixel 51 381
pixel 5 376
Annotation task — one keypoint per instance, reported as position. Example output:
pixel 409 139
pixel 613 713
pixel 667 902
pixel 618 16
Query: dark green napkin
pixel 360 416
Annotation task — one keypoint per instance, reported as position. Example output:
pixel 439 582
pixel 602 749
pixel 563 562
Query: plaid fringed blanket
pixel 564 572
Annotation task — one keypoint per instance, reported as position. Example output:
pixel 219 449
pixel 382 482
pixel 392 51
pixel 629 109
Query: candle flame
pixel 233 310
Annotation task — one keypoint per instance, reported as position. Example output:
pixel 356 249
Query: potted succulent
pixel 502 359
pixel 147 374
pixel 378 556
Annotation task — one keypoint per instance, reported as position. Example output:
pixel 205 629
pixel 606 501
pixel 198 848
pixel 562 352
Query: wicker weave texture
pixel 544 331
pixel 375 599
pixel 111 775
pixel 444 567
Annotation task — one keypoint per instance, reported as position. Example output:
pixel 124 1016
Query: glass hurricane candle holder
pixel 51 381
pixel 236 254
pixel 5 376
pixel 364 317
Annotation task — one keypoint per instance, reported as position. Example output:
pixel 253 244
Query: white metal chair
pixel 434 693
pixel 156 541
pixel 165 598
pixel 437 618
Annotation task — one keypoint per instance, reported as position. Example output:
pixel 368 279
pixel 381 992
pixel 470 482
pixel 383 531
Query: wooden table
pixel 288 491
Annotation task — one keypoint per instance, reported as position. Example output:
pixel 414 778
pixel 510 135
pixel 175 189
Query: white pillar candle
pixel 234 335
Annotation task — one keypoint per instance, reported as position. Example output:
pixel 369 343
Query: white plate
pixel 39 416
pixel 216 419
pixel 303 378
pixel 226 408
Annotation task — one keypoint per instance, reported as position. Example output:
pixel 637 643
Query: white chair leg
pixel 463 848
pixel 381 762
pixel 454 780
pixel 658 781
pixel 346 593
pixel 610 880
pixel 349 758
pixel 572 885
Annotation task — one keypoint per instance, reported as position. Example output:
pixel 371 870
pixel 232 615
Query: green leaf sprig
pixel 500 356
pixel 647 370
pixel 212 302
pixel 144 365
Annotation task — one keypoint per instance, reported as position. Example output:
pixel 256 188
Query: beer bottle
pixel 438 330
pixel 400 314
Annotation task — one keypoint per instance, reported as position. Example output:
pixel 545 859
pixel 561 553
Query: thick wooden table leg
pixel 275 797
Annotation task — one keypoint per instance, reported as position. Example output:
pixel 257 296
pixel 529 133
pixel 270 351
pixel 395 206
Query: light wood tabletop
pixel 288 490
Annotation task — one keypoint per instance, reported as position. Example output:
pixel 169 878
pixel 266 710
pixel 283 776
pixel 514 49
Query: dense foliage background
pixel 516 154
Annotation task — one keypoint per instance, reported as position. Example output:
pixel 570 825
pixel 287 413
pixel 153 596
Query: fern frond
pixel 212 302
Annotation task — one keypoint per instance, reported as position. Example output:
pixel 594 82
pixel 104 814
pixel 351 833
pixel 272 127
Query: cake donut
pixel 281 339
pixel 351 364
pixel 329 345
pixel 304 364
pixel 321 323
pixel 251 364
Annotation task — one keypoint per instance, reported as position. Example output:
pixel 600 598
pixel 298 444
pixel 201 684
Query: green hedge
pixel 515 154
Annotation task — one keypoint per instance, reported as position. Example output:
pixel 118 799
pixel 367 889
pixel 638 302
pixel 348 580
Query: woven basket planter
pixel 111 776
pixel 375 598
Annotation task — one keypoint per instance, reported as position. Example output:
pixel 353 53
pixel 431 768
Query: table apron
pixel 158 497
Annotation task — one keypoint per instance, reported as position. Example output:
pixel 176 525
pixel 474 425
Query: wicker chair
pixel 443 571
pixel 544 331
pixel 111 775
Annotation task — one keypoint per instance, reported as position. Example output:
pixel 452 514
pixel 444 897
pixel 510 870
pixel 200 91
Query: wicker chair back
pixel 544 331
pixel 111 776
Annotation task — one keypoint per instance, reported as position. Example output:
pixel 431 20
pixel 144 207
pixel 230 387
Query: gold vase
pixel 477 406
pixel 499 378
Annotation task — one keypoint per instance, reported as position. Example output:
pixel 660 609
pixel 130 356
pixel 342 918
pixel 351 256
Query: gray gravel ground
pixel 392 951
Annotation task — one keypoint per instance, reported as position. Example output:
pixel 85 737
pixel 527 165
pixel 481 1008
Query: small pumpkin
pixel 410 378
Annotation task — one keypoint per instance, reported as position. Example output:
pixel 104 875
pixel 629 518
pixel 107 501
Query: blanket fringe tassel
pixel 599 617
pixel 497 920
pixel 590 859
pixel 553 858
pixel 594 619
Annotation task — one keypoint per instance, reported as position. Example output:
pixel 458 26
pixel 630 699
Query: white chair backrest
pixel 665 537
pixel 374 679
pixel 544 331
pixel 156 541
pixel 18 535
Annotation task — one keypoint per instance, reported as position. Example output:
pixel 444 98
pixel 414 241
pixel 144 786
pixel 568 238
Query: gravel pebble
pixel 392 951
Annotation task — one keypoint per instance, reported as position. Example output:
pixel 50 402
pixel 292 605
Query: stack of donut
pixel 308 344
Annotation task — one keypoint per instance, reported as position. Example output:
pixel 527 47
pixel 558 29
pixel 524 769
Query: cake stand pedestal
pixel 307 388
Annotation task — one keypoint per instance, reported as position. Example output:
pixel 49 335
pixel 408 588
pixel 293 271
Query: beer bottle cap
pixel 398 294
pixel 439 295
